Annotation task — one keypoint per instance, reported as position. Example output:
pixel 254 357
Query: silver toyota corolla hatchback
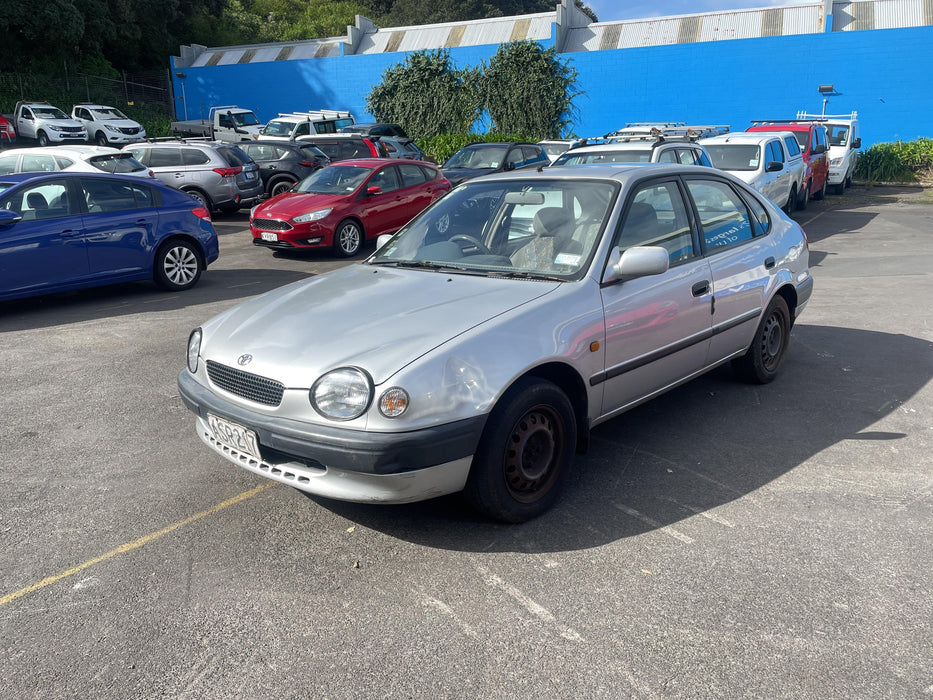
pixel 475 349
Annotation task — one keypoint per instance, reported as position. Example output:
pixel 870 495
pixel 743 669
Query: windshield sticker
pixel 753 163
pixel 567 259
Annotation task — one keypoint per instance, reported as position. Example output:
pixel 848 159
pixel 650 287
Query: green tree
pixel 427 95
pixel 527 90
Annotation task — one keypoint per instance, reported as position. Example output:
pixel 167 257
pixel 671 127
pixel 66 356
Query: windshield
pixel 837 134
pixel 275 128
pixel 595 157
pixel 334 179
pixel 109 113
pixel 117 163
pixel 477 157
pixel 734 156
pixel 244 118
pixel 530 228
pixel 50 113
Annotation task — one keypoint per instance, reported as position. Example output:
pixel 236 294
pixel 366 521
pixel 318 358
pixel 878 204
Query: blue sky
pixel 608 10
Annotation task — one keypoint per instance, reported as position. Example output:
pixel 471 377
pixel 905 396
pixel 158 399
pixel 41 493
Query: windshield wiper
pixel 426 264
pixel 518 274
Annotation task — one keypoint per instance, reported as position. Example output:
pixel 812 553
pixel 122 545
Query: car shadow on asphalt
pixel 139 297
pixel 687 455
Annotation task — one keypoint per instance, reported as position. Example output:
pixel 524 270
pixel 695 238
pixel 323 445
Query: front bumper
pixel 335 462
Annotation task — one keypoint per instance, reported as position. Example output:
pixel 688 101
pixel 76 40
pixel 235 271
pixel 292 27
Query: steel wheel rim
pixel 772 342
pixel 181 265
pixel 349 238
pixel 531 454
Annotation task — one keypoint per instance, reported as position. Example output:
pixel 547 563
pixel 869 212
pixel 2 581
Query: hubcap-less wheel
pixel 531 454
pixel 348 239
pixel 772 342
pixel 101 139
pixel 180 265
pixel 760 364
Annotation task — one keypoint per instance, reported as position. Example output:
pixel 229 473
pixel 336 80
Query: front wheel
pixel 102 139
pixel 348 238
pixel 42 139
pixel 177 266
pixel 804 197
pixel 761 363
pixel 524 454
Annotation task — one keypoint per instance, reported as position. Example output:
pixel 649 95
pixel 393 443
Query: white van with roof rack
pixel 647 142
pixel 842 132
pixel 292 125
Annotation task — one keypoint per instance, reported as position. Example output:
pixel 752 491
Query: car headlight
pixel 111 127
pixel 342 394
pixel 836 161
pixel 194 349
pixel 393 402
pixel 312 216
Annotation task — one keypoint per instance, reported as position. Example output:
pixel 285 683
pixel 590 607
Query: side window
pixel 384 179
pixel 530 154
pixel 225 121
pixel 687 156
pixel 429 174
pixel 657 216
pixel 793 148
pixel 331 149
pixel 303 129
pixel 8 164
pixel 821 137
pixel 760 219
pixel 668 156
pixel 775 151
pixel 38 164
pixel 515 157
pixel 411 175
pixel 278 153
pixel 164 158
pixel 63 163
pixel 45 200
pixel 354 149
pixel 724 218
pixel 108 196
pixel 192 156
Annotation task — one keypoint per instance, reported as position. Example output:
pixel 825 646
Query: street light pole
pixel 184 102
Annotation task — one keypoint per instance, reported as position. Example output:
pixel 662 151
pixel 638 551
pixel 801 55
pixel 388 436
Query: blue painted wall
pixel 880 73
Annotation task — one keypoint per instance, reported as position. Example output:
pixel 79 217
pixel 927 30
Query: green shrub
pixel 900 161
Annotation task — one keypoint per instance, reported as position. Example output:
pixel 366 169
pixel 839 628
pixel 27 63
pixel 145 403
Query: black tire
pixel 803 198
pixel 177 265
pixel 348 238
pixel 202 198
pixel 42 139
pixel 277 187
pixel 822 193
pixel 101 139
pixel 791 201
pixel 840 188
pixel 525 453
pixel 765 355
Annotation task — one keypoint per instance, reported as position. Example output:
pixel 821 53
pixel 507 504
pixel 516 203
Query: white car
pixel 555 147
pixel 92 159
pixel 770 162
pixel 641 150
pixel 842 132
pixel 106 125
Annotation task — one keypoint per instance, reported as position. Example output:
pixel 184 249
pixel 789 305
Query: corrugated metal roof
pixel 453 34
pixel 258 53
pixel 881 14
pixel 685 29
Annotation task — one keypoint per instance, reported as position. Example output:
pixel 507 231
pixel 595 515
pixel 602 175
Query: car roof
pixel 65 150
pixel 16 178
pixel 744 138
pixel 784 126
pixel 376 162
pixel 93 105
pixel 619 172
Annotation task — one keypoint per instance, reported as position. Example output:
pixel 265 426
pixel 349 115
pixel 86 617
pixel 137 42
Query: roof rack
pixel 317 114
pixel 660 133
pixel 804 116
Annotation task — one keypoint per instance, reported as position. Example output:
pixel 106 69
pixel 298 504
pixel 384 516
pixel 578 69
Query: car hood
pixel 62 122
pixel 458 175
pixel 377 318
pixel 290 204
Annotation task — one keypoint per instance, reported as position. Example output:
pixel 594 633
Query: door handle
pixel 71 233
pixel 769 263
pixel 142 221
pixel 700 288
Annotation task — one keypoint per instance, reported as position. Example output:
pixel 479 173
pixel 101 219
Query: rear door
pixel 47 247
pixel 120 225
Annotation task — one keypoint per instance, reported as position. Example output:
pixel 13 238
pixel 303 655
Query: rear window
pixel 117 163
pixel 234 155
pixel 735 156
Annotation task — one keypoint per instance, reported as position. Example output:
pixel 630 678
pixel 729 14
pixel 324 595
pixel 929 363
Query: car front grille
pixel 129 130
pixel 271 225
pixel 72 129
pixel 245 385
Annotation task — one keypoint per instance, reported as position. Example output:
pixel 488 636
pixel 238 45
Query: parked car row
pixel 88 122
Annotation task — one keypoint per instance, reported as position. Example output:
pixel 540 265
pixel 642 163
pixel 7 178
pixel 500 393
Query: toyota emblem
pixel 243 360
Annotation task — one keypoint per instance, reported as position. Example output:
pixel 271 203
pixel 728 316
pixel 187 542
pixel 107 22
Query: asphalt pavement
pixel 723 540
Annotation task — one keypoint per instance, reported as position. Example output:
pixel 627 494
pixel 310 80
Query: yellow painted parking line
pixel 245 284
pixel 809 221
pixel 156 301
pixel 132 545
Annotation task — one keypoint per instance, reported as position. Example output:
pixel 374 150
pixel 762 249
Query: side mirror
pixel 641 261
pixel 774 167
pixel 819 148
pixel 239 131
pixel 383 239
pixel 857 143
pixel 509 167
pixel 373 190
pixel 8 217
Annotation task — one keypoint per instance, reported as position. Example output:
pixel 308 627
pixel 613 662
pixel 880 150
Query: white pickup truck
pixel 46 124
pixel 842 132
pixel 106 125
pixel 226 123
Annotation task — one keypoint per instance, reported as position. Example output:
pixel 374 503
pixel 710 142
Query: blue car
pixel 62 231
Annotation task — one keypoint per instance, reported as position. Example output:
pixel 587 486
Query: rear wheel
pixel 524 454
pixel 280 186
pixel 348 238
pixel 202 198
pixel 822 192
pixel 761 363
pixel 177 265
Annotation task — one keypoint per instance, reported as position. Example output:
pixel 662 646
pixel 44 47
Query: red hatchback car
pixel 7 133
pixel 344 203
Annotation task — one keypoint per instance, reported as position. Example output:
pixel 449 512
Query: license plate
pixel 234 436
pixel 251 174
pixel 269 236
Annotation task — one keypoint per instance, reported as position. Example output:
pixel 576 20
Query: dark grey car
pixel 283 163
pixel 221 175
pixel 484 158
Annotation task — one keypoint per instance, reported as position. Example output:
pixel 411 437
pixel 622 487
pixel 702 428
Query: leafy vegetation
pixel 901 161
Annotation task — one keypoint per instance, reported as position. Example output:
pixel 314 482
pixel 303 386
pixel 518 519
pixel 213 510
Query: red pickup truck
pixel 813 145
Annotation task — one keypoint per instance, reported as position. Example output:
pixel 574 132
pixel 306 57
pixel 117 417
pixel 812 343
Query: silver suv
pixel 219 174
